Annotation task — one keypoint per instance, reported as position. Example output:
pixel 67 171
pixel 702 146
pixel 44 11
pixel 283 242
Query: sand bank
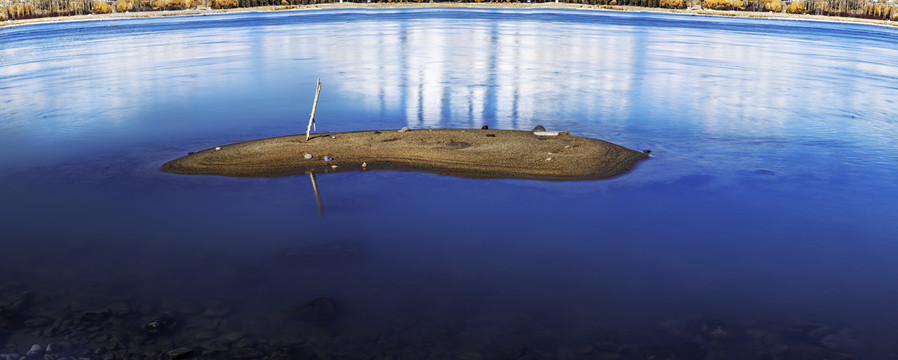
pixel 460 152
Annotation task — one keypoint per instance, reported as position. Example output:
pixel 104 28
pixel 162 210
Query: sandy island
pixel 460 152
pixel 349 5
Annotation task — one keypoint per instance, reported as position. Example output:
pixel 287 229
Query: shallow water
pixel 769 201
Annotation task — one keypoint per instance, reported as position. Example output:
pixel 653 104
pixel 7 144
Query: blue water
pixel 771 194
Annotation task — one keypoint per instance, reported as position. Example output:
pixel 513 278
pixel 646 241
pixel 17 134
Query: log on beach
pixel 460 152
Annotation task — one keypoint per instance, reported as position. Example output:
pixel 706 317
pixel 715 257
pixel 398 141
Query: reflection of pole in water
pixel 317 196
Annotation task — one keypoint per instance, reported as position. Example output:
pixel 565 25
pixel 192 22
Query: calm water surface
pixel 770 198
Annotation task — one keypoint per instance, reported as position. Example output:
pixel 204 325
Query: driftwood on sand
pixel 460 152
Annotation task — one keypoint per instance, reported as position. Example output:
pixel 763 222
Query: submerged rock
pixel 842 340
pixel 95 315
pixel 217 309
pixel 56 348
pixel 9 320
pixel 660 353
pixel 36 350
pixel 808 333
pixel 246 353
pixel 163 323
pixel 318 310
pixel 22 301
pixel 119 309
pixel 217 344
pixel 37 322
pixel 179 353
pixel 718 331
pixel 284 341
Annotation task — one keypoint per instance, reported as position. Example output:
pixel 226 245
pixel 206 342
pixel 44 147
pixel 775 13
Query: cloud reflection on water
pixel 510 76
pixel 505 69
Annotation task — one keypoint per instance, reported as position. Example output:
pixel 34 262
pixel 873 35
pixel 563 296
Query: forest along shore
pixel 24 12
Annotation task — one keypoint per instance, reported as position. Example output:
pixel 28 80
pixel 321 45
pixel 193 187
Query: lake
pixel 763 226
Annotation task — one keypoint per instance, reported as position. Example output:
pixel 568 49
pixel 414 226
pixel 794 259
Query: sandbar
pixel 459 152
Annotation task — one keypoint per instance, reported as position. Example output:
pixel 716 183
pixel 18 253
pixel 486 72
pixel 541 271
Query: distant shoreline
pixel 702 12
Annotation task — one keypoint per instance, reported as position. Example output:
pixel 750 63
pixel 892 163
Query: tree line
pixel 27 9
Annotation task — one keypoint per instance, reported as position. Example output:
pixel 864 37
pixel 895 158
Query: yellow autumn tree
pixel 723 4
pixel 796 7
pixel 101 7
pixel 177 4
pixel 673 4
pixel 123 5
pixel 224 4
pixel 772 5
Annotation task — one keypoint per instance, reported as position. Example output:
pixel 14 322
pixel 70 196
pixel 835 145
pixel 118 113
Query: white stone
pixel 35 350
pixel 308 156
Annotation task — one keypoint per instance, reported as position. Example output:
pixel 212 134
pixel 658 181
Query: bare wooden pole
pixel 317 196
pixel 314 106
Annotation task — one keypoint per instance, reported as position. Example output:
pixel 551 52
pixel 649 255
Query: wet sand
pixel 460 152
pixel 348 5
